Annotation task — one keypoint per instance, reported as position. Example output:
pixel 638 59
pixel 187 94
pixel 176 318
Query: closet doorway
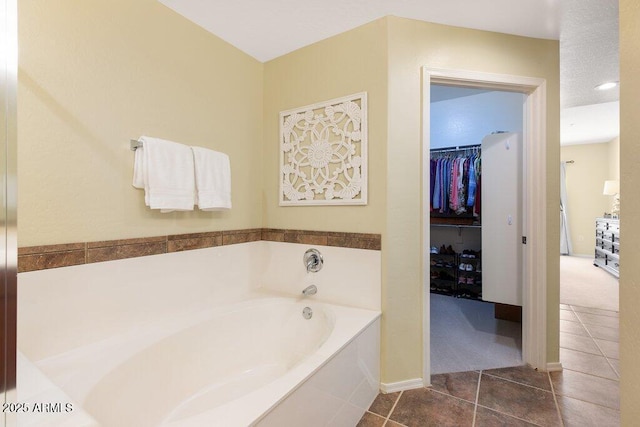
pixel 476 226
pixel 533 289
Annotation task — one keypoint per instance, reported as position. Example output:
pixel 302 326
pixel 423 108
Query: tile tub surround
pixel 166 293
pixel 63 255
pixel 180 282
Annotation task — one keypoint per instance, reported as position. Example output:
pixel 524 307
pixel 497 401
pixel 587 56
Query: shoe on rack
pixel 469 267
pixel 463 266
pixel 470 253
pixel 450 250
pixel 434 250
pixel 470 280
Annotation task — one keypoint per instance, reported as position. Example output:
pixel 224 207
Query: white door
pixel 501 213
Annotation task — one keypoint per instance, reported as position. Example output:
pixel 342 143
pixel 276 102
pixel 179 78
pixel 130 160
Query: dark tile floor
pixel 585 393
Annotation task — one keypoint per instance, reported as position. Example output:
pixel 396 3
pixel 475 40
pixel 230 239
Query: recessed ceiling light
pixel 607 85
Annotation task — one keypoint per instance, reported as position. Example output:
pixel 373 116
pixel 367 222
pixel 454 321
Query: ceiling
pixel 587 30
pixel 588 57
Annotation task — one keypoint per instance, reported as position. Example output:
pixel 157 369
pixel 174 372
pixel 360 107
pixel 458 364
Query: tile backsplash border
pixel 35 258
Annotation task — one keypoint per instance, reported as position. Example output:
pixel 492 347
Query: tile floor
pixel 585 393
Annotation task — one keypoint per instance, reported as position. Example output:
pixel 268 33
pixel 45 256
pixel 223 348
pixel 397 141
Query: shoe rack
pixel 444 274
pixel 456 274
pixel 469 275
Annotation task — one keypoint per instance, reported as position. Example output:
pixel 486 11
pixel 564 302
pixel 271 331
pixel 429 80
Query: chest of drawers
pixel 607 250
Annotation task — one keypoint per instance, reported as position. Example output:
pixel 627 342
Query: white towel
pixel 213 179
pixel 166 172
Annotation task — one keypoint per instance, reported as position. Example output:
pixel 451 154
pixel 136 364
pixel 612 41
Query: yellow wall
pixel 614 159
pixel 413 44
pixel 629 211
pixel 585 182
pixel 94 75
pixel 351 62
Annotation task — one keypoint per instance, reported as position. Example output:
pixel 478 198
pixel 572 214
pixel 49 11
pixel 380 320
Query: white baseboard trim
pixel 401 385
pixel 554 367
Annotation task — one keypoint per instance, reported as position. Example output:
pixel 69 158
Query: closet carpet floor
pixel 466 336
pixel 586 393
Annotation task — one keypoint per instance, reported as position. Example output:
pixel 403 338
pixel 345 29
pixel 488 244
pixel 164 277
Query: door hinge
pixel 524 240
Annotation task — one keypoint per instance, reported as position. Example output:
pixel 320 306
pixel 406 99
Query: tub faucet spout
pixel 310 290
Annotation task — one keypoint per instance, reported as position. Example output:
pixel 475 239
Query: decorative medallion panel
pixel 323 153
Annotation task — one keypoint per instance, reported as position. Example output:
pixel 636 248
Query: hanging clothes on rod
pixel 455 181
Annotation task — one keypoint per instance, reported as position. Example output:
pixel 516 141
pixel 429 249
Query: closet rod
pixel 448 149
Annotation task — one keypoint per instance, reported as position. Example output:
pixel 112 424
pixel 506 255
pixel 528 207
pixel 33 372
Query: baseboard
pixel 401 385
pixel 554 367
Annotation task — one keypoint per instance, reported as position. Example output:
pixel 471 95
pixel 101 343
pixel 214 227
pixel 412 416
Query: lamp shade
pixel 611 188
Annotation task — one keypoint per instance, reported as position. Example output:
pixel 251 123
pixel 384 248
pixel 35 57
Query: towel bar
pixel 135 144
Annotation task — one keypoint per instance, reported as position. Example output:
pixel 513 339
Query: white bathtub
pixel 248 359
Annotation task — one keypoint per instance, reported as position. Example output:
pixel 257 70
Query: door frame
pixel 8 208
pixel 534 295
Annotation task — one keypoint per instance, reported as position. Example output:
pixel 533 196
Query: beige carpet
pixel 583 284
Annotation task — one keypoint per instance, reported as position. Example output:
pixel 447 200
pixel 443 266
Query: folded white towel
pixel 165 170
pixel 213 179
